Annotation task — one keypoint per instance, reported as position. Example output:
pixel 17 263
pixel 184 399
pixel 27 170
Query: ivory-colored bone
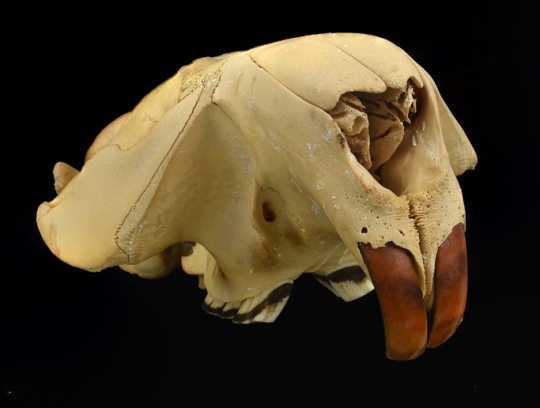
pixel 252 168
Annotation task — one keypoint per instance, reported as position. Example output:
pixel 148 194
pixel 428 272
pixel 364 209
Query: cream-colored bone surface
pixel 252 168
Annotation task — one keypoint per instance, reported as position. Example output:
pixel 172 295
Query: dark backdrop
pixel 69 338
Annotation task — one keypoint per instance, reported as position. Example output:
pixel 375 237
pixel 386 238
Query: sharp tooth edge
pixel 266 306
pixel 349 283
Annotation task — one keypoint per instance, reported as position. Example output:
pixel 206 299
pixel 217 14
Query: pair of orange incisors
pixel 409 326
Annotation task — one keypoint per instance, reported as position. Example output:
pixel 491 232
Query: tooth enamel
pixel 402 305
pixel 208 299
pixel 349 282
pixel 213 306
pixel 450 288
pixel 266 306
pixel 217 305
pixel 247 305
pixel 230 310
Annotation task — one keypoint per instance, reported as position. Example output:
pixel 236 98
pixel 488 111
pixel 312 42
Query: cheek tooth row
pixel 264 308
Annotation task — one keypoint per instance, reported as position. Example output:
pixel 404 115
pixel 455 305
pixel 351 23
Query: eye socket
pixel 269 213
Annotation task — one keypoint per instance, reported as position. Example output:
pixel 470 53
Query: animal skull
pixel 328 154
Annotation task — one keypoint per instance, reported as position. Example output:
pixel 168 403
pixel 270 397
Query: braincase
pixel 321 68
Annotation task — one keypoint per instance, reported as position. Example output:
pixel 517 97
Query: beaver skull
pixel 328 154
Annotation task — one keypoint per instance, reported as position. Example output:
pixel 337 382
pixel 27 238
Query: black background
pixel 69 338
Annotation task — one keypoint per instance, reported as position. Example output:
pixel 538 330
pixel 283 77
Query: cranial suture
pixel 329 154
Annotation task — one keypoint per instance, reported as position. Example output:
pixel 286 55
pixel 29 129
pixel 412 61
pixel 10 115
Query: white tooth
pixel 348 282
pixel 208 299
pixel 213 306
pixel 247 304
pixel 270 314
pixel 232 306
pixel 230 310
pixel 266 306
pixel 216 304
pixel 350 290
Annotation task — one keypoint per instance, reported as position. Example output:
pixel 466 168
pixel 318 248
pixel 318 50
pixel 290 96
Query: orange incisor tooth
pixel 404 314
pixel 449 287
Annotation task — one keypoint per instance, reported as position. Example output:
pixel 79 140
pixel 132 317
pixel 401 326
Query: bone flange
pixel 329 154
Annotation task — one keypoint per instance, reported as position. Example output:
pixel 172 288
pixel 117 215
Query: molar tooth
pixel 349 282
pixel 213 306
pixel 266 306
pixel 246 306
pixel 230 310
